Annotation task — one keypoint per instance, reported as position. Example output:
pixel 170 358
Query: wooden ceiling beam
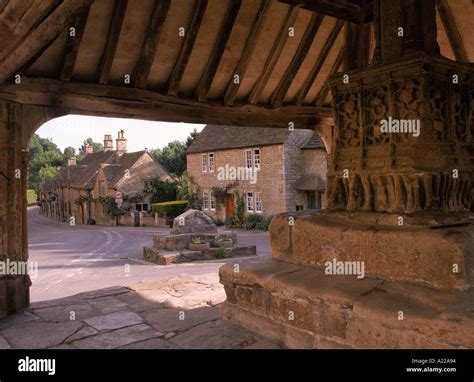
pixel 107 100
pixel 323 92
pixel 303 92
pixel 205 82
pixel 73 44
pixel 449 24
pixel 281 90
pixel 148 51
pixel 115 26
pixel 250 45
pixel 176 76
pixel 274 55
pixel 340 9
pixel 38 38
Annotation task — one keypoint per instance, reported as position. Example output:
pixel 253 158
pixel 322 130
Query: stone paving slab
pixel 181 312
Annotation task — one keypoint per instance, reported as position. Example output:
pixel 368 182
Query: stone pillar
pixel 429 170
pixel 426 170
pixel 14 288
pixel 399 208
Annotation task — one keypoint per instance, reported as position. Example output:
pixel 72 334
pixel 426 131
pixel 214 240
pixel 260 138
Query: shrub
pixel 240 211
pixel 223 238
pixel 218 222
pixel 265 223
pixel 220 253
pixel 251 221
pixel 164 191
pixel 170 209
pixel 229 222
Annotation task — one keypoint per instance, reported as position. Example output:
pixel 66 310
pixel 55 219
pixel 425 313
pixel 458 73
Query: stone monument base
pixel 299 306
pixel 435 249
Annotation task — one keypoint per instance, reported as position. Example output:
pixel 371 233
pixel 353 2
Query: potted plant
pixel 198 244
pixel 223 241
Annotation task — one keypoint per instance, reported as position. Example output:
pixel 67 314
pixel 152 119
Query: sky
pixel 72 130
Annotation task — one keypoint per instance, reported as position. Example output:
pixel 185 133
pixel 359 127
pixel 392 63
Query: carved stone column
pixel 403 172
pixel 399 208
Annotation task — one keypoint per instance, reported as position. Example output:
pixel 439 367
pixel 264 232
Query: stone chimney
pixel 108 142
pixel 89 149
pixel 121 143
pixel 72 161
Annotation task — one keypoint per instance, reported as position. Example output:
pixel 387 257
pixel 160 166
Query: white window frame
pixel 250 197
pixel 256 165
pixel 248 159
pixel 258 196
pixel 205 201
pixel 210 162
pixel 204 163
pixel 212 202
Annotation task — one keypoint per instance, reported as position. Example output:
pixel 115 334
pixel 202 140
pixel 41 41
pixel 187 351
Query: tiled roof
pixel 84 175
pixel 315 142
pixel 214 137
pixel 310 183
pixel 91 163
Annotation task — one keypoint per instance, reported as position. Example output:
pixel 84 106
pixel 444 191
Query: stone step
pixel 302 307
pixel 163 257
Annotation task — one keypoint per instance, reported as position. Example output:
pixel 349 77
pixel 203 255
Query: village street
pixel 74 259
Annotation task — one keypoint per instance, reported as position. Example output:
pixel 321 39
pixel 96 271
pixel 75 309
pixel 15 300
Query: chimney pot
pixel 121 143
pixel 108 142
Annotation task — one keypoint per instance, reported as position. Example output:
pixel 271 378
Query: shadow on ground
pixel 176 313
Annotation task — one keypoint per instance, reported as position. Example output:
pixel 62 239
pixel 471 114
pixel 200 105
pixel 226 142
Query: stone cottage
pixel 84 190
pixel 269 170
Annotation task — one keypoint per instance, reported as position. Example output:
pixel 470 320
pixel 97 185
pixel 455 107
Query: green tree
pixel 187 189
pixel 69 152
pixel 44 154
pixel 192 136
pixel 164 191
pixel 47 172
pixel 173 155
pixel 96 146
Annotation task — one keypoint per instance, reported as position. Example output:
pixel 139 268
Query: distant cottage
pixel 81 190
pixel 270 170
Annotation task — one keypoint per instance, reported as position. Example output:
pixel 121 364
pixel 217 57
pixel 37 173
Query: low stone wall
pixel 152 220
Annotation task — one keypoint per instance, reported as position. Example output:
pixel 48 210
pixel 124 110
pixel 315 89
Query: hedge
pixel 31 196
pixel 170 209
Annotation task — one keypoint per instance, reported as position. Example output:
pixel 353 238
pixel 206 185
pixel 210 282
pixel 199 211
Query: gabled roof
pixel 84 175
pixel 214 137
pixel 315 142
pixel 91 164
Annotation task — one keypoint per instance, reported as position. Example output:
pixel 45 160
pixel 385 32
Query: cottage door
pixel 229 206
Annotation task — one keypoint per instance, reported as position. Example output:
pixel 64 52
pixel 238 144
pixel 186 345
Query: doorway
pixel 229 206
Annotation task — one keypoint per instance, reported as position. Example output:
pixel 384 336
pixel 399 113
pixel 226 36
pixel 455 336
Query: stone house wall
pixel 315 163
pixel 281 167
pixel 292 166
pixel 269 180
